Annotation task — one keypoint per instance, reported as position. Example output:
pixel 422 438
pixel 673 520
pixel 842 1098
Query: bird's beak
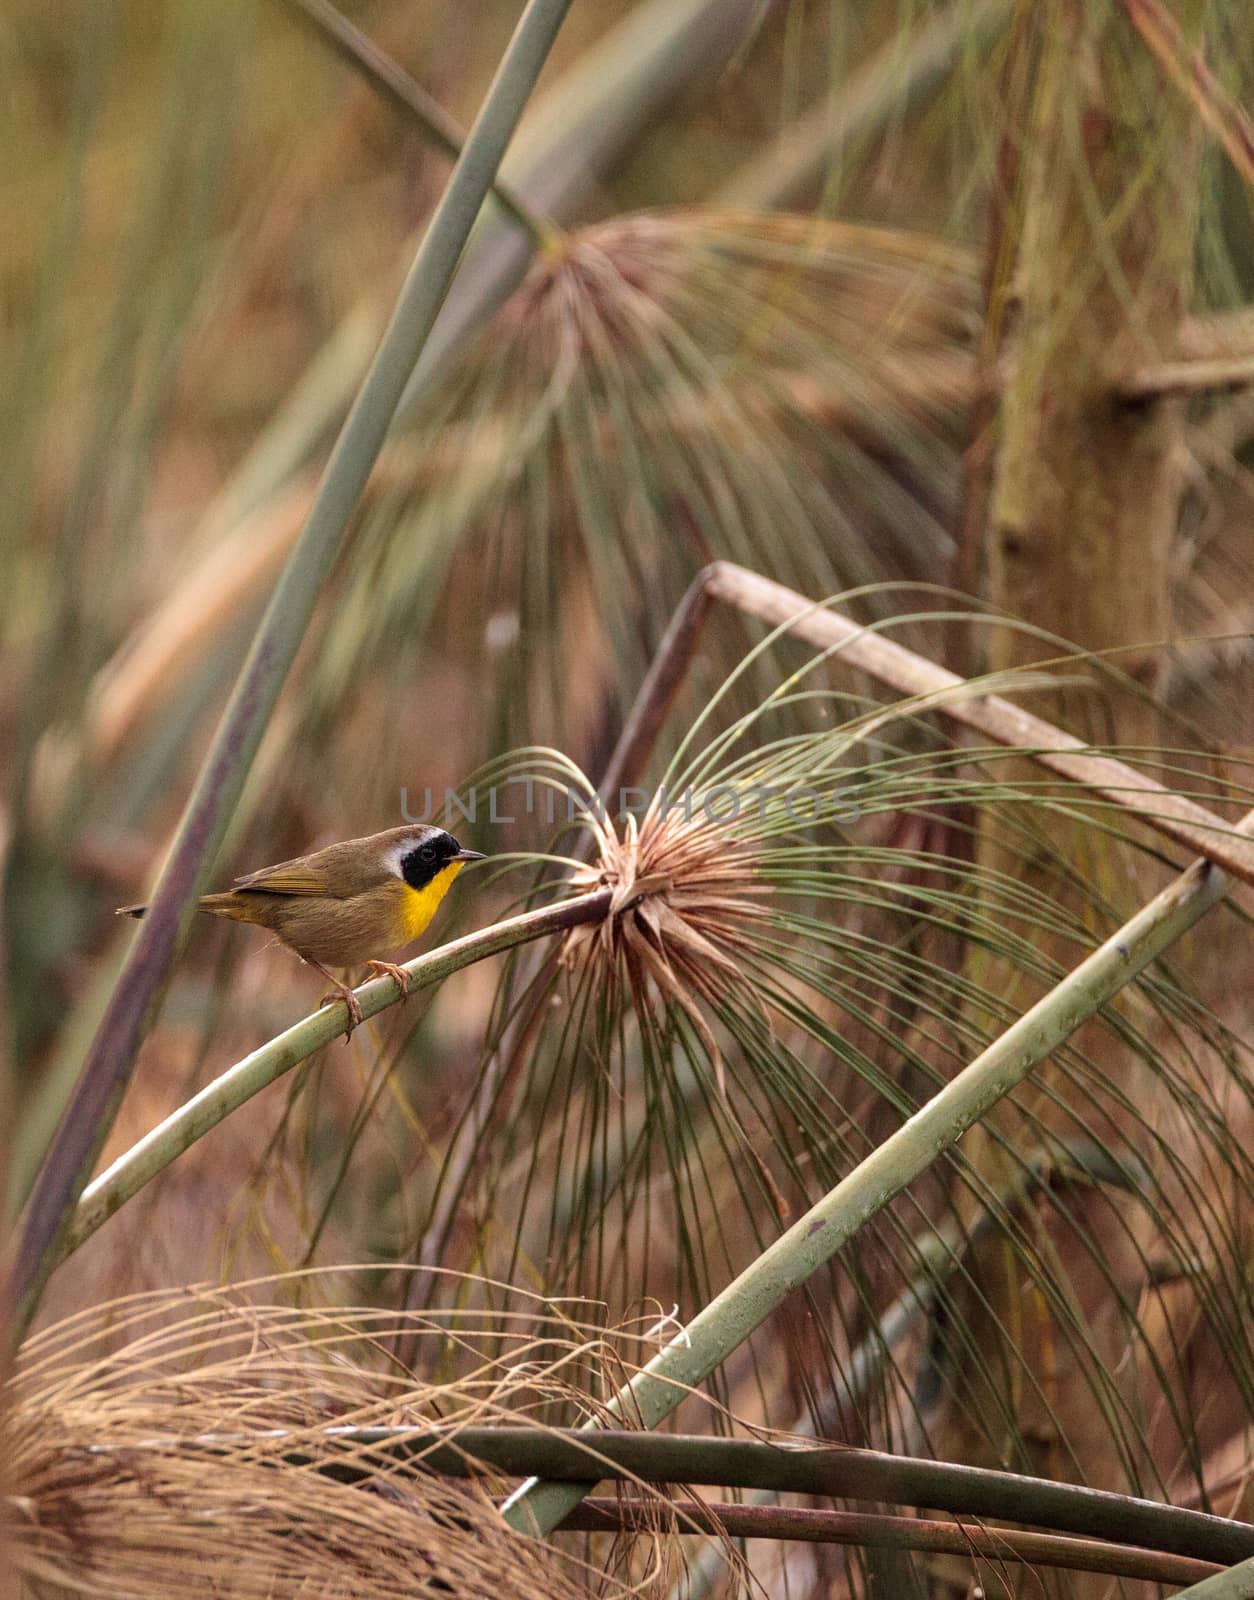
pixel 470 855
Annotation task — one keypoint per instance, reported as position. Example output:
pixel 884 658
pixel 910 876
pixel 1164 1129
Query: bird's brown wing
pixel 299 877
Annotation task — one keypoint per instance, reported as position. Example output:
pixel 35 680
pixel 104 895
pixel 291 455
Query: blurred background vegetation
pixel 944 304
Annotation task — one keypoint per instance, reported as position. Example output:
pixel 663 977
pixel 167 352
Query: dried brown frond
pixel 662 389
pixel 886 287
pixel 683 915
pixel 208 1454
pixel 713 335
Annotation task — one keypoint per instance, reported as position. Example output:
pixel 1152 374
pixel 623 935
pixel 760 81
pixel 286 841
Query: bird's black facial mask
pixel 428 859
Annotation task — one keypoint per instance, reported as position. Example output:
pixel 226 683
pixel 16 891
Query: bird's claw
pixel 352 1004
pixel 389 969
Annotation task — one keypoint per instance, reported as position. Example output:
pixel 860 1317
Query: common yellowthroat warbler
pixel 340 906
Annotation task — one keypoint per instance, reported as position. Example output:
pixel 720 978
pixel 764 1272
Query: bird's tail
pixel 239 907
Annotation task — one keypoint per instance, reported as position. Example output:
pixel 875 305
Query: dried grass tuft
pixel 206 1455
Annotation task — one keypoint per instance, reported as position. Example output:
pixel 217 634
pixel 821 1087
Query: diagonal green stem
pixel 732 1316
pixel 110 1060
pixel 106 1194
pixel 941 1252
pixel 392 81
pixel 577 131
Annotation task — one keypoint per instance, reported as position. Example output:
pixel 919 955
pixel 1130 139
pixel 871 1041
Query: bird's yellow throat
pixel 421 904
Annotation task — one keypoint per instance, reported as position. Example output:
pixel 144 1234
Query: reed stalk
pixel 110 1059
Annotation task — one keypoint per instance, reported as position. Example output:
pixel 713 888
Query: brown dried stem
pixel 870 1531
pixel 866 650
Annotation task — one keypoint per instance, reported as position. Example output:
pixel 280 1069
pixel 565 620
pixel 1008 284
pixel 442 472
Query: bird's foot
pixel 351 1001
pixel 389 969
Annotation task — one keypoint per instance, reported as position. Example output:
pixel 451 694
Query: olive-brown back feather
pixel 339 906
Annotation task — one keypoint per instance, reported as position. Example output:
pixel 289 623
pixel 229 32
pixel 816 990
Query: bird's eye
pixel 428 853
